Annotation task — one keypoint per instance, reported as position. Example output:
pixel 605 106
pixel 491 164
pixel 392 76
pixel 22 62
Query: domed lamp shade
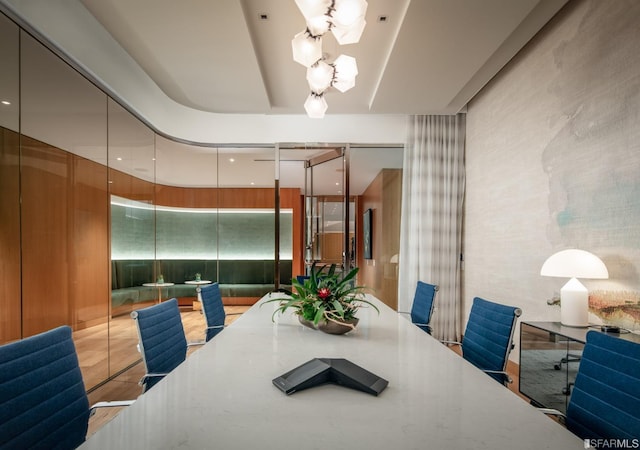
pixel 316 106
pixel 574 296
pixel 307 50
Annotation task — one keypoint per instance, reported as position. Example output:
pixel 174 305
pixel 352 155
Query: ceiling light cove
pixel 346 20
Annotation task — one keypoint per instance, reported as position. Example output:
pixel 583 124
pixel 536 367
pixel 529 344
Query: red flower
pixel 324 293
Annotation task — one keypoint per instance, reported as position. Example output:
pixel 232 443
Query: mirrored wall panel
pixel 65 208
pixel 9 75
pixel 132 236
pixel 10 293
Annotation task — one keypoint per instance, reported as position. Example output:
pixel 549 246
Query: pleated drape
pixel 431 221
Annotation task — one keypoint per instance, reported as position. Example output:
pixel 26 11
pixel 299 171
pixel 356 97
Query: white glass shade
pixel 348 12
pixel 313 8
pixel 316 106
pixel 349 35
pixel 318 25
pixel 319 77
pixel 574 263
pixel 306 49
pixel 346 70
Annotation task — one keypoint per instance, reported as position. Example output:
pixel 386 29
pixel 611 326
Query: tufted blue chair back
pixel 43 403
pixel 605 399
pixel 162 341
pixel 423 303
pixel 488 338
pixel 213 309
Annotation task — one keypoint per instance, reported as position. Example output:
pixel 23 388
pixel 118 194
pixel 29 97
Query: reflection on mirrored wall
pixel 10 289
pixel 110 208
pixel 191 233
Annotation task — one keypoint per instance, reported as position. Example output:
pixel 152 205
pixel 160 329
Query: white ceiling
pixel 217 67
pixel 428 57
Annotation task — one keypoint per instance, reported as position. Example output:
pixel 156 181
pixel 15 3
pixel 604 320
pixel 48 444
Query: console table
pixel 549 358
pixel 197 304
pixel 159 286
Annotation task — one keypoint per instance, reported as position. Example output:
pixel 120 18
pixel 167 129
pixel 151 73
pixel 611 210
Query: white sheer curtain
pixel 431 222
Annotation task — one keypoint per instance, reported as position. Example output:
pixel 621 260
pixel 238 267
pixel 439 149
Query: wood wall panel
pixel 225 197
pixel 390 240
pixel 369 274
pixel 10 291
pixel 89 274
pixel 45 262
pixel 384 197
pixel 125 186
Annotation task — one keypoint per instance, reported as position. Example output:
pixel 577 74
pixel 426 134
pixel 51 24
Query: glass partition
pixel 64 210
pixel 246 252
pixel 131 165
pixel 10 291
pixel 10 74
pixel 109 208
pixel 378 188
pixel 292 191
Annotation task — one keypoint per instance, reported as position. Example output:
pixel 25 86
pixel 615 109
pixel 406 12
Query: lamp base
pixel 574 304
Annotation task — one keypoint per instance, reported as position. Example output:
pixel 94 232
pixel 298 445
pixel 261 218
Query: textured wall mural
pixel 593 162
pixel 553 162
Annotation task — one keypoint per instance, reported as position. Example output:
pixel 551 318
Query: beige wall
pixel 553 161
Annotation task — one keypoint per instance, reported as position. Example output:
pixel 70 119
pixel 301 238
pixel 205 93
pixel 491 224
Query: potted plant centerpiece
pixel 326 300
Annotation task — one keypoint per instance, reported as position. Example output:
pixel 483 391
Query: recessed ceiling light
pixel 119 159
pixel 232 160
pixel 5 102
pixel 337 184
pixel 252 183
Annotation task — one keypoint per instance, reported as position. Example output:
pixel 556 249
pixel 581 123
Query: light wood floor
pixel 125 386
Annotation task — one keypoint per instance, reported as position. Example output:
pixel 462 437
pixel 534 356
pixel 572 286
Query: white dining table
pixel 223 395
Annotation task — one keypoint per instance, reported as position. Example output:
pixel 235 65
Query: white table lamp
pixel 574 297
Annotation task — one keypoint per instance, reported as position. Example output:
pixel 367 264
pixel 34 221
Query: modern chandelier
pixel 345 19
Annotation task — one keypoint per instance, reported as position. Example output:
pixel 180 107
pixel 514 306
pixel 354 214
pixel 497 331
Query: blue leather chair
pixel 605 400
pixel 488 337
pixel 162 341
pixel 423 305
pixel 43 403
pixel 213 310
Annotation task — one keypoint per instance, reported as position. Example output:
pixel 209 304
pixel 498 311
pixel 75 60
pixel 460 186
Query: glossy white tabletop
pixel 223 396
